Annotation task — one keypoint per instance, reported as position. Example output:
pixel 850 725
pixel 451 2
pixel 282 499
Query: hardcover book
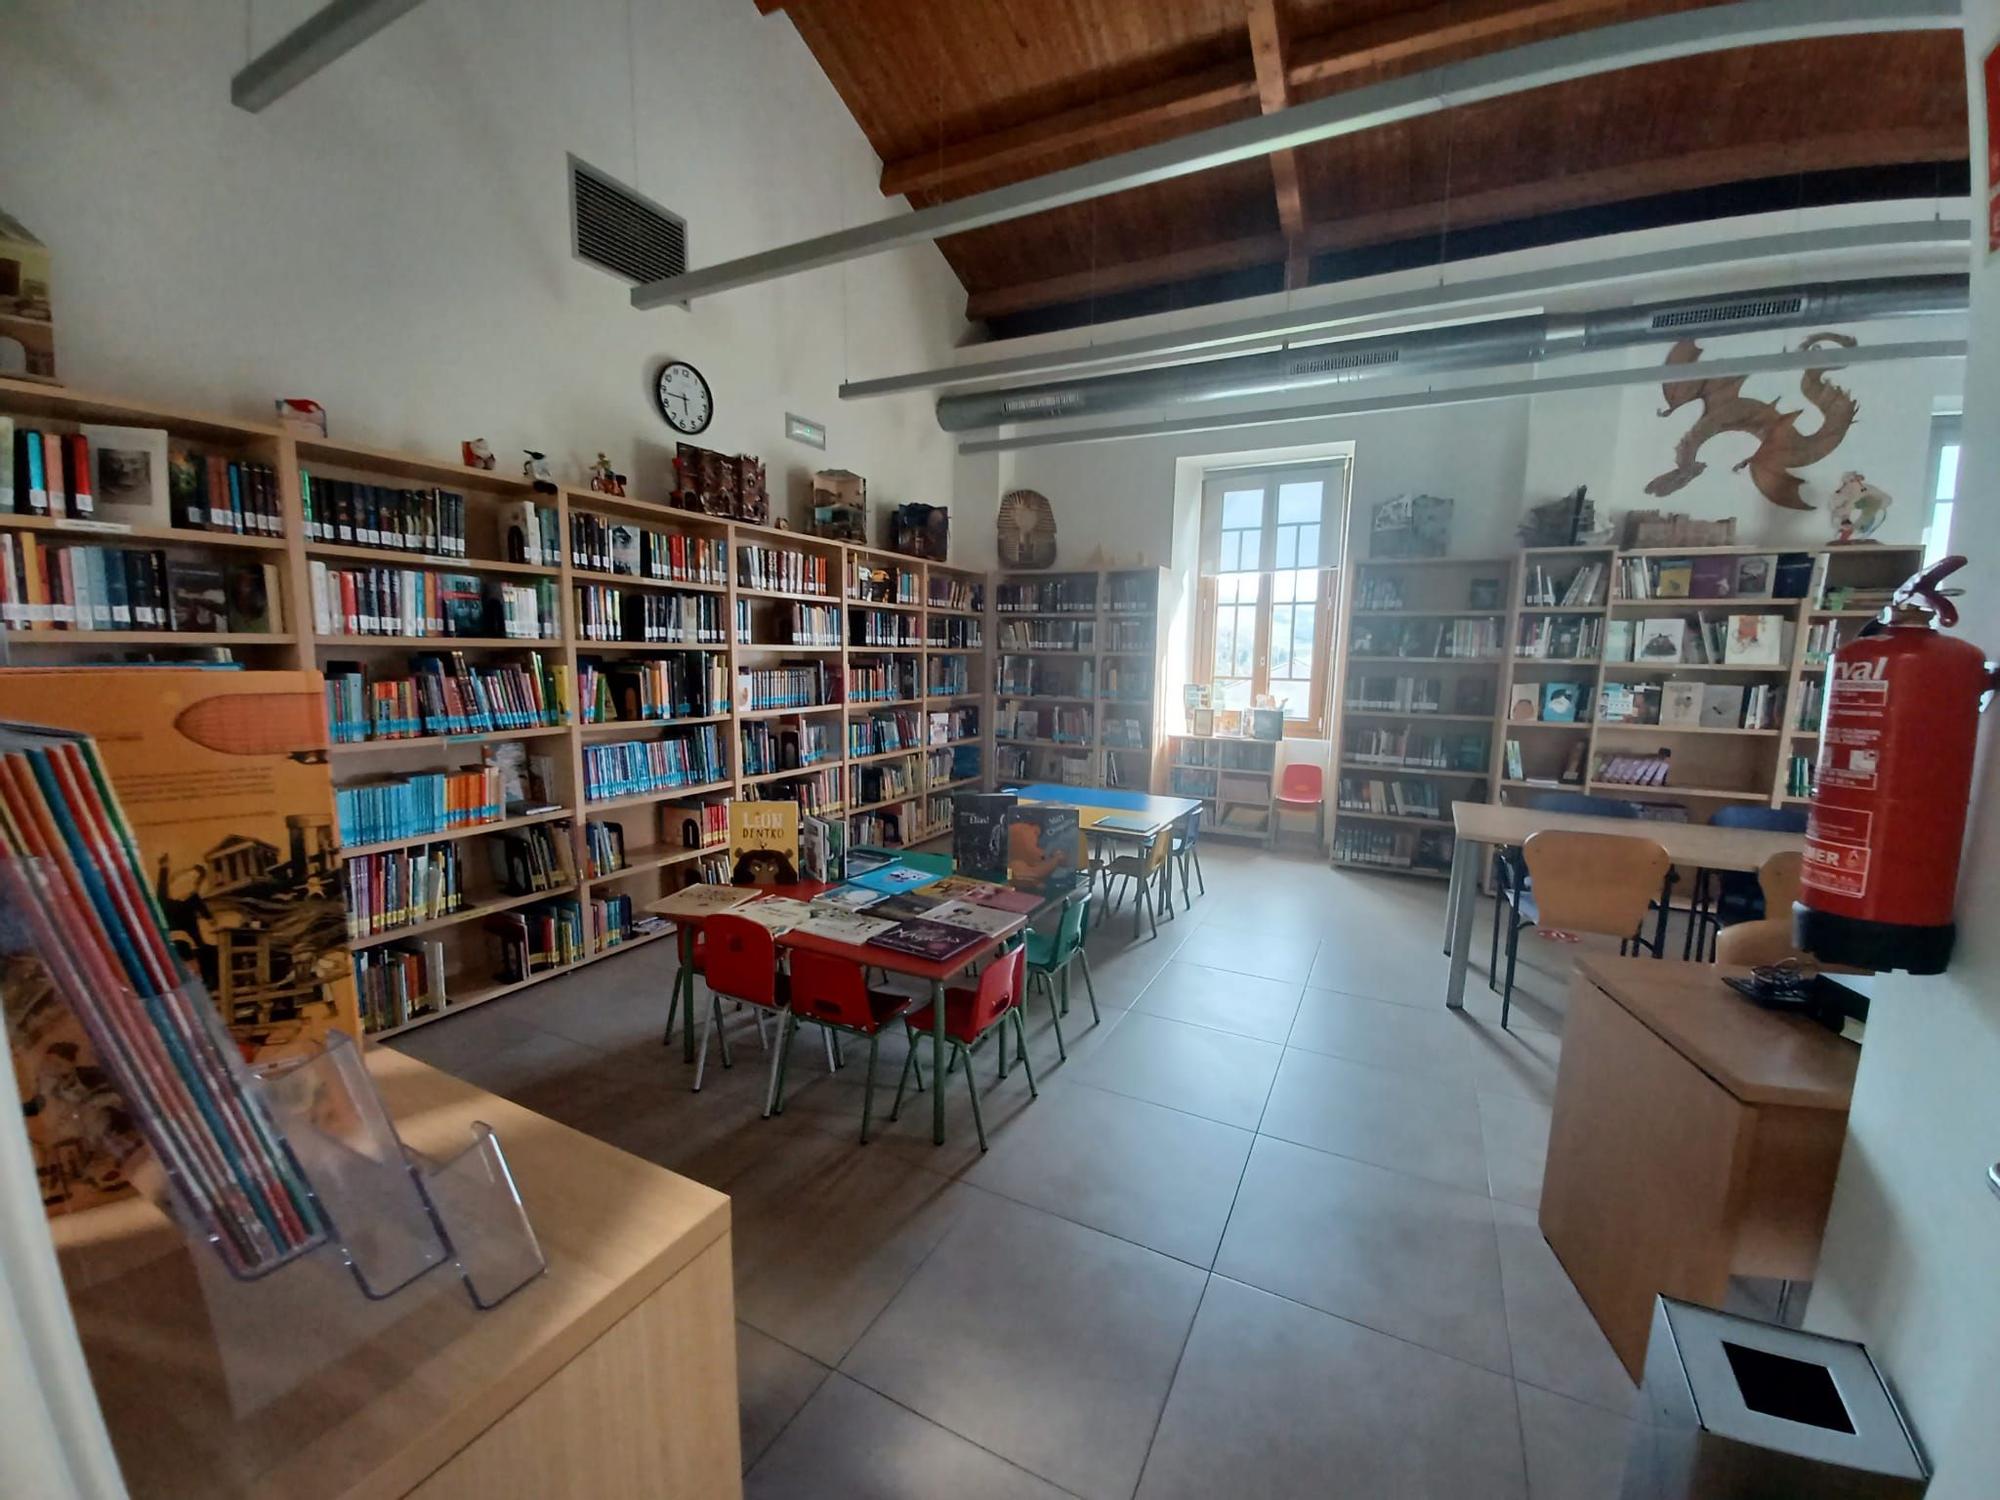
pixel 928 939
pixel 764 842
pixel 1660 640
pixel 129 467
pixel 979 834
pixel 1753 641
pixel 1618 640
pixel 1559 702
pixel 1524 703
pixel 1681 703
pixel 1721 705
pixel 1713 578
pixel 1044 848
pixel 197 596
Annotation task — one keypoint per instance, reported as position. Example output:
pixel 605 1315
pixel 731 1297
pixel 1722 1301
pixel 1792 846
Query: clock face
pixel 684 397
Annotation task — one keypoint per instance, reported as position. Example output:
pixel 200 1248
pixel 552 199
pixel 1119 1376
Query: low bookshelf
pixel 1234 778
pixel 1417 695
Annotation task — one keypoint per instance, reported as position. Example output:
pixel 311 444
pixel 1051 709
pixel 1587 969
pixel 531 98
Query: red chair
pixel 1302 787
pixel 739 959
pixel 835 992
pixel 968 1016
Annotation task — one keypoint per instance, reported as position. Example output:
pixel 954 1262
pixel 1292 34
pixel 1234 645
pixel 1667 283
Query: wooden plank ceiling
pixel 962 95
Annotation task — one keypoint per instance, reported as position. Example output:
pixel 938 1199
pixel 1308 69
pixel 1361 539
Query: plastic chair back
pixel 741 958
pixel 1594 882
pixel 1069 935
pixel 1187 832
pixel 999 989
pixel 834 990
pixel 1302 782
pixel 1157 851
pixel 1779 881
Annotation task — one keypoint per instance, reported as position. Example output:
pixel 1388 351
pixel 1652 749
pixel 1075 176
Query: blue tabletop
pixel 1160 809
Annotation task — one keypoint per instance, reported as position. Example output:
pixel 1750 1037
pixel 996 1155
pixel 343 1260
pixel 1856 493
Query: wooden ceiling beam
pixel 1426 36
pixel 1274 93
pixel 1642 179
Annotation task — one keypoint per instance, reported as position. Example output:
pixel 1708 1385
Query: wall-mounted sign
pixel 804 430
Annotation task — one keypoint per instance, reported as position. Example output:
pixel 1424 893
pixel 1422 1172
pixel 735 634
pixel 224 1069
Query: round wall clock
pixel 683 397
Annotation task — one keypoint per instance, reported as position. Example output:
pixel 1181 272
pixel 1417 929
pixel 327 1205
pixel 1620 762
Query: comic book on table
pixel 989 920
pixel 927 939
pixel 1045 848
pixel 844 926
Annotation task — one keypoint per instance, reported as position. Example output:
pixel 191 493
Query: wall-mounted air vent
pixel 1728 312
pixel 617 230
pixel 1323 364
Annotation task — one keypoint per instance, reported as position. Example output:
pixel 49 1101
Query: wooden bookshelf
pixel 949 648
pixel 1096 658
pixel 1417 693
pixel 1235 779
pixel 1568 634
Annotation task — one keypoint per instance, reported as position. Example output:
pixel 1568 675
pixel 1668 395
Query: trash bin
pixel 1735 1409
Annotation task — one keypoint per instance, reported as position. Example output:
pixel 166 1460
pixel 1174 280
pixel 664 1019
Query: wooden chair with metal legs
pixel 1603 883
pixel 1142 872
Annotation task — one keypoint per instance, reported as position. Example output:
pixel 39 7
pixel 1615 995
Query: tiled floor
pixel 1269 1231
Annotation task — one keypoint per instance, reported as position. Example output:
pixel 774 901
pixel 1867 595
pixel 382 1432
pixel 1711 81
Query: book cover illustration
pixel 701 900
pixel 764 843
pixel 844 926
pixel 891 879
pixel 1752 641
pixel 1044 848
pixel 979 833
pixel 780 914
pixel 849 898
pixel 1660 640
pixel 984 893
pixel 1559 700
pixel 1680 703
pixel 1524 703
pixel 905 906
pixel 988 920
pixel 928 939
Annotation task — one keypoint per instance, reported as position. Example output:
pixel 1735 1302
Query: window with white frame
pixel 1945 432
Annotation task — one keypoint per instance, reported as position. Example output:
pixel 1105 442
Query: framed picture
pixel 1201 722
pixel 128 472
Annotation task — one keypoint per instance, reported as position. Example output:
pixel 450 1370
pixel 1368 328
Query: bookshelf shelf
pixel 338 643
pixel 643 726
pixel 631 648
pixel 800 710
pixel 110 532
pixel 1419 872
pixel 468 914
pixel 1429 661
pixel 453 835
pixel 1402 818
pixel 660 794
pixel 1725 794
pixel 1614 726
pixel 745 591
pixel 424 741
pixel 398 557
pixel 639 581
pixel 146 638
pixel 765 778
pixel 657 862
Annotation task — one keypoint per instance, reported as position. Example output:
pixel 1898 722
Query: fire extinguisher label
pixel 1850 751
pixel 1837 851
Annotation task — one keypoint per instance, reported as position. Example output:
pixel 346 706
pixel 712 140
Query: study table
pixel 1093 804
pixel 1696 1136
pixel 1478 827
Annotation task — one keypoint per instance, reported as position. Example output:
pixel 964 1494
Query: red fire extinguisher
pixel 1892 785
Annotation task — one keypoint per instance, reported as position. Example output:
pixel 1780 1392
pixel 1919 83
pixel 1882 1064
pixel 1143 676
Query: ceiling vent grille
pixel 619 231
pixel 1729 312
pixel 1324 364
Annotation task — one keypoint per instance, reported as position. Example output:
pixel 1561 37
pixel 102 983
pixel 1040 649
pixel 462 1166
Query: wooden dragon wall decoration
pixel 1781 447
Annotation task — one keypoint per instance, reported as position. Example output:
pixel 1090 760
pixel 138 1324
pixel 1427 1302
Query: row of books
pixel 402 888
pixel 1048 635
pixel 885 680
pixel 536 939
pixel 1542 586
pixel 1545 703
pixel 419 602
pixel 1750 640
pixel 1128 635
pixel 44 587
pixel 640 552
pixel 611 922
pixel 1392 848
pixel 427 802
pixel 603 847
pixel 702 824
pixel 1065 594
pixel 444 695
pixel 881 781
pixel 399 984
pixel 1127 682
pixel 884 627
pixel 818 793
pixel 1471 637
pixel 1799 776
pixel 628 768
pixel 1402 799
pixel 1130 593
pixel 882 827
pixel 769 747
pixel 882 585
pixel 47 473
pixel 1822 640
pixel 531 859
pixel 1377 590
pixel 1124 734
pixel 882 731
pixel 1021 721
pixel 782 569
pixel 354 513
pixel 605 612
pixel 1812 704
pixel 956 593
pixel 1416 747
pixel 1560 637
pixel 1037 677
pixel 1230 755
pixel 791 685
pixel 1634 770
pixel 953 633
pixel 941 764
pixel 1682 703
pixel 1374 693
pixel 687 685
pixel 947 676
pixel 944 725
pixel 798 625
pixel 1756 575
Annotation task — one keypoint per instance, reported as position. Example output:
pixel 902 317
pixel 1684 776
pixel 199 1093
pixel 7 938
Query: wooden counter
pixel 612 1375
pixel 1695 1137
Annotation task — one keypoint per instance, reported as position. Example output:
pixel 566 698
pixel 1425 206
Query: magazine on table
pixel 843 926
pixel 990 920
pixel 893 878
pixel 848 898
pixel 984 893
pixel 701 900
pixel 908 904
pixel 778 913
pixel 927 939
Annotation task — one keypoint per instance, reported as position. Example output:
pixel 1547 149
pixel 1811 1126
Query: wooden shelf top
pixel 658 794
pixel 146 638
pixel 397 557
pixel 636 581
pixel 437 642
pixel 36 399
pixel 642 726
pixel 321 453
pixel 452 835
pixel 471 737
pixel 108 533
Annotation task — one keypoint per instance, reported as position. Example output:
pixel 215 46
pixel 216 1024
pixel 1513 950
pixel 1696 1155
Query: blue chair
pixel 1722 898
pixel 1513 891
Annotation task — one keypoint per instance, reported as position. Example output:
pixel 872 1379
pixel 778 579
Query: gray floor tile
pixel 1045 1342
pixel 827 1233
pixel 1557 1343
pixel 1242 1003
pixel 1274 1400
pixel 1519 1061
pixel 1156 1176
pixel 1575 1451
pixel 1403 1037
pixel 773 1382
pixel 851 1444
pixel 1193 1068
pixel 1404 1256
pixel 1263 955
pixel 1516 1131
pixel 1385 959
pixel 1405 1121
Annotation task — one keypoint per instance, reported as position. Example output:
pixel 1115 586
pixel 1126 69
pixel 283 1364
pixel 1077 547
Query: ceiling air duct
pixel 1485 345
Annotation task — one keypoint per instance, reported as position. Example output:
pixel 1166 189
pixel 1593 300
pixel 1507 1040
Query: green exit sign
pixel 803 430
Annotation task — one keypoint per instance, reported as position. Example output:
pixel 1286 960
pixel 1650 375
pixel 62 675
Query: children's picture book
pixel 1681 703
pixel 891 879
pixel 843 926
pixel 1201 723
pixel 1128 823
pixel 927 939
pixel 1753 641
pixel 701 900
pixel 1660 640
pixel 1618 639
pixel 823 848
pixel 1195 695
pixel 985 919
pixel 979 833
pixel 778 913
pixel 984 893
pixel 129 468
pixel 849 898
pixel 1045 848
pixel 1713 578
pixel 1266 723
pixel 904 906
pixel 764 843
pixel 1755 575
pixel 1675 580
pixel 1721 705
pixel 1559 700
pixel 1616 703
pixel 1524 703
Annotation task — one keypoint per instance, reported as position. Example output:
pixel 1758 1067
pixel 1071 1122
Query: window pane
pixel 1281 640
pixel 1243 508
pixel 1937 537
pixel 1244 657
pixel 1306 583
pixel 1309 545
pixel 1299 503
pixel 1288 547
pixel 1947 474
pixel 1286 700
pixel 1230 693
pixel 1225 641
pixel 1281 587
pixel 1304 619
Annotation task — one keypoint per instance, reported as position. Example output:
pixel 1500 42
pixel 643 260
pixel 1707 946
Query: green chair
pixel 1050 955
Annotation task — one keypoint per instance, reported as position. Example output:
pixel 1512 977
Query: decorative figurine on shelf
pixel 298 414
pixel 477 453
pixel 603 480
pixel 1858 509
pixel 535 469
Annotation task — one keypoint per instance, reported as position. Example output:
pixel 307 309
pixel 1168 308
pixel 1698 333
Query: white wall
pixel 392 238
pixel 1914 1237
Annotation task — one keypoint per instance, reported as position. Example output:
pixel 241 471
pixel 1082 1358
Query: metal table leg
pixel 1451 901
pixel 1466 861
pixel 937 1062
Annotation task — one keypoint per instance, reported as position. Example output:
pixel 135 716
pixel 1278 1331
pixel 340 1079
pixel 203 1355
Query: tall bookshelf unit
pixel 1554 638
pixel 931 664
pixel 1076 674
pixel 1418 693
